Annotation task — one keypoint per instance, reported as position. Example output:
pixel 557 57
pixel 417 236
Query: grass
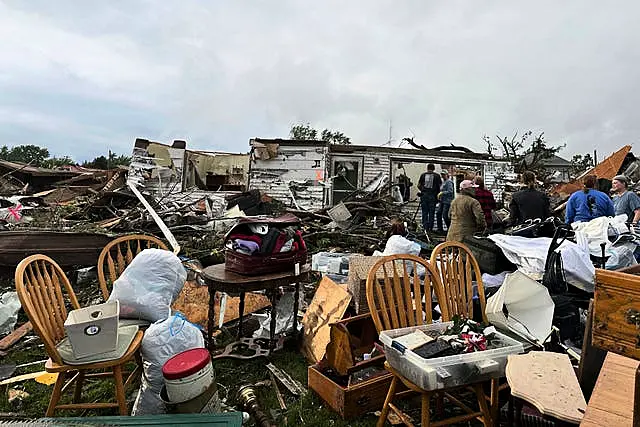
pixel 230 375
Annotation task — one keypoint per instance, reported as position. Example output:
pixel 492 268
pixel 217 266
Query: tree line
pixel 39 156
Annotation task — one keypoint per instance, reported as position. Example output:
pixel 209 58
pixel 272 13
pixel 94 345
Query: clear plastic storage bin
pixel 93 330
pixel 448 371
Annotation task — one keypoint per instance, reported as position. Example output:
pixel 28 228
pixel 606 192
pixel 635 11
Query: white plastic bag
pixel 161 342
pixel 149 285
pixel 9 308
pixel 397 245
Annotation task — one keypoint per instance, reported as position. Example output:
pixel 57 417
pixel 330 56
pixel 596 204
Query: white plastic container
pixel 93 330
pixel 188 375
pixel 330 262
pixel 448 371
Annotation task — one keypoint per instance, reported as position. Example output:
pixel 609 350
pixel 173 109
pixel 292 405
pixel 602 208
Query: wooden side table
pixel 219 279
pixel 547 381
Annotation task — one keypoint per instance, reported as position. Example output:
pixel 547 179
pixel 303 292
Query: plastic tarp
pixel 161 342
pixel 149 285
pixel 9 308
pixel 530 254
pixel 529 307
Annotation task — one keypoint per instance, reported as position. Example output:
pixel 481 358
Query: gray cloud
pixel 82 77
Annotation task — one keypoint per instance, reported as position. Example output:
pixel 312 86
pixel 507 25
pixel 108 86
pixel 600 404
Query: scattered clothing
pixel 585 206
pixel 626 204
pixel 488 203
pixel 467 217
pixel 528 204
pixel 246 245
pixel 250 237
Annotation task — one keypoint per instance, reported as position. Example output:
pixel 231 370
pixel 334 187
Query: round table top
pixel 227 281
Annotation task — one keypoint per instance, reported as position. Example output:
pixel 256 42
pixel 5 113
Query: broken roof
pixel 441 151
pixel 36 171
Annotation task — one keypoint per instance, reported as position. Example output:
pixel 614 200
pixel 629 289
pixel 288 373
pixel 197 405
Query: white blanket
pixel 530 255
pixel 597 231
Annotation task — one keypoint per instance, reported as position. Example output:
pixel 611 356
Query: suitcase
pixel 257 264
pixel 489 256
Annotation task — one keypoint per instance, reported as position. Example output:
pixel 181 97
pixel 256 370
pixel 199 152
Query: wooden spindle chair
pixel 46 296
pixel 118 254
pixel 458 270
pixel 398 297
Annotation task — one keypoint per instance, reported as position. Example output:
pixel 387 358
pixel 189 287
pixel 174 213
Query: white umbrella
pixel 523 306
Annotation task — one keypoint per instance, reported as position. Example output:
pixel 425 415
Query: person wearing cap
pixel 486 199
pixel 528 203
pixel 445 197
pixel 625 202
pixel 467 217
pixel 588 204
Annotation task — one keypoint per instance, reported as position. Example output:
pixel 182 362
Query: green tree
pixel 102 162
pixel 57 162
pixel 304 132
pixel 524 155
pixel 30 154
pixel 580 164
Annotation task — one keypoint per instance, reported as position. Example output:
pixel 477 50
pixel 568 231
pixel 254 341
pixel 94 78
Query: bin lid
pixel 186 363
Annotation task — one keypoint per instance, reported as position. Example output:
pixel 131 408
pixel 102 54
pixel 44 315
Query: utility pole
pixel 109 160
pixel 595 158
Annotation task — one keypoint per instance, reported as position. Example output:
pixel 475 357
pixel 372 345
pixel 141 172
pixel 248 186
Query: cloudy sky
pixel 82 77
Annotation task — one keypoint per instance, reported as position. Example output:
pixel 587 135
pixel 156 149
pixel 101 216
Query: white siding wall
pixel 374 165
pixel 495 175
pixel 303 169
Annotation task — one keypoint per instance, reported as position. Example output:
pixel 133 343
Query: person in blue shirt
pixel 589 203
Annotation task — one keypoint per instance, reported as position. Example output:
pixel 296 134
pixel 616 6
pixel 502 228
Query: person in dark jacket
pixel 589 203
pixel 429 186
pixel 528 203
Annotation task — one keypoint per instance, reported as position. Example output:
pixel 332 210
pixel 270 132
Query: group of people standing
pixel 590 203
pixel 471 210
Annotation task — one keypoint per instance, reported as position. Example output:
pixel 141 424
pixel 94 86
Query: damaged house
pixel 174 169
pixel 315 174
pixel 15 177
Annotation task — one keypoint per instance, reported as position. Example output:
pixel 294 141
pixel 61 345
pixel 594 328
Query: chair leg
pixel 55 395
pixel 484 408
pixel 426 416
pixel 387 401
pixel 122 401
pixel 77 393
pixel 440 404
pixel 495 401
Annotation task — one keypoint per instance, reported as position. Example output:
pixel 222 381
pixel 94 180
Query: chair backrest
pixel 41 286
pixel 458 269
pixel 398 297
pixel 118 254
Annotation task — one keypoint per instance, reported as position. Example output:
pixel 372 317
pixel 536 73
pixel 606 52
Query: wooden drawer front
pixel 350 402
pixel 616 326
